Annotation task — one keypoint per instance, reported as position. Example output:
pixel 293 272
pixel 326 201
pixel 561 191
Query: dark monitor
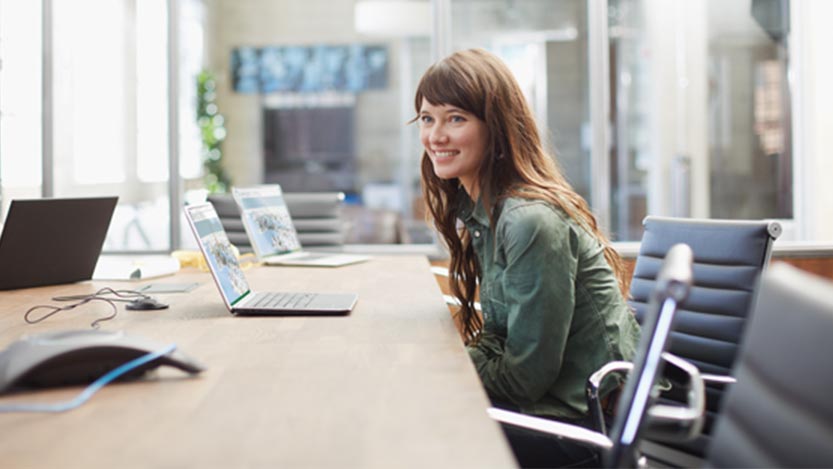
pixel 310 148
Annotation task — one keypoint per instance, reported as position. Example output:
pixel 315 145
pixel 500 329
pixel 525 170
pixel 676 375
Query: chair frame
pixel 666 231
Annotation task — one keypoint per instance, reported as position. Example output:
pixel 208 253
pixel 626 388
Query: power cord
pixel 94 387
pixel 130 296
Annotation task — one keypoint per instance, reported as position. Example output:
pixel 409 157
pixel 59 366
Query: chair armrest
pixel 679 423
pixel 452 300
pixel 562 430
pixel 674 372
pixel 449 299
pixel 594 383
pixel 718 379
pixel 441 271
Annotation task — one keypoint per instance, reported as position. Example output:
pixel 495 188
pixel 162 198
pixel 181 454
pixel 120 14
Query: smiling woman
pixel 551 286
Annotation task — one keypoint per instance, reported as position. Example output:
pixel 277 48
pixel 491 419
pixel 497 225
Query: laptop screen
pixel 218 252
pixel 266 220
pixel 52 241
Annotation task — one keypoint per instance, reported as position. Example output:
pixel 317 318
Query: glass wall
pixel 749 109
pixel 315 98
pixel 631 120
pixel 698 116
pixel 545 44
pixel 700 110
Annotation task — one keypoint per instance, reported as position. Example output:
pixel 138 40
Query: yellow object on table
pixel 196 259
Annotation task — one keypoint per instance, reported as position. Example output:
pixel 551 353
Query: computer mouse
pixel 145 303
pixel 74 357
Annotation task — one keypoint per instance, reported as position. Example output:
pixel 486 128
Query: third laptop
pixel 225 268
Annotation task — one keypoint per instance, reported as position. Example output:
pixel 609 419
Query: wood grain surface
pixel 389 385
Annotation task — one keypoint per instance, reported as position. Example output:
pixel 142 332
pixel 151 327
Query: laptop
pixel 272 234
pixel 238 297
pixel 53 241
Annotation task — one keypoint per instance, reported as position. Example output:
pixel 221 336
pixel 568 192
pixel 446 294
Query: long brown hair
pixel 516 164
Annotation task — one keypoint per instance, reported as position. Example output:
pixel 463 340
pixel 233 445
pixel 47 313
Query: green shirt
pixel 553 312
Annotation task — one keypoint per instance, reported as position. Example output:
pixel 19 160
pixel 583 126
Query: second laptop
pixel 272 234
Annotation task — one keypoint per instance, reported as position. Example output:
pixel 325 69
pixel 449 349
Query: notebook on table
pixel 272 233
pixel 230 280
pixel 53 241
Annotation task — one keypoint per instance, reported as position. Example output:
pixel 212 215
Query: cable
pixel 121 295
pixel 57 309
pixel 94 387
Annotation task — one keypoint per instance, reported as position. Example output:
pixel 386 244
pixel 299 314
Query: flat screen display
pixel 351 68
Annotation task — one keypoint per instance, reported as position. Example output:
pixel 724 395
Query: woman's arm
pixel 540 250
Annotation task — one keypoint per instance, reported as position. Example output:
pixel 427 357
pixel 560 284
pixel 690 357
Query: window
pixel 20 101
pixel 107 114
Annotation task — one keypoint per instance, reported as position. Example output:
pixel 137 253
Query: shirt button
pixel 477 233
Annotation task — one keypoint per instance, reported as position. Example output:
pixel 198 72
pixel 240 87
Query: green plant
pixel 213 132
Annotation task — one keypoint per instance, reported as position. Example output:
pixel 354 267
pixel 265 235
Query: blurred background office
pixel 702 108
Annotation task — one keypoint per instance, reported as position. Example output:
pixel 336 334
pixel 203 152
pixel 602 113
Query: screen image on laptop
pixel 219 254
pixel 266 220
pixel 269 226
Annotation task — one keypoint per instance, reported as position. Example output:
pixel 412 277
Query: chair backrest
pixel 670 289
pixel 780 412
pixel 229 215
pixel 317 217
pixel 729 257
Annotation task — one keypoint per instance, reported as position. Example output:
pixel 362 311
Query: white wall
pixel 813 82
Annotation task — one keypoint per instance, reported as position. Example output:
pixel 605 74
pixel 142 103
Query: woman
pixel 551 286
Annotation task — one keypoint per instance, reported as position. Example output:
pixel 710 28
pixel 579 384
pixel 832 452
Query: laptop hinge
pixel 240 298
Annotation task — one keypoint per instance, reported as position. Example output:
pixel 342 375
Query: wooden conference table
pixel 390 385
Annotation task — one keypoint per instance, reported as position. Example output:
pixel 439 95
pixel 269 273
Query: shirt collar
pixel 470 211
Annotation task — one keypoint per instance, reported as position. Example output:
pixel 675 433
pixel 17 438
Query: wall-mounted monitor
pixel 310 148
pixel 350 68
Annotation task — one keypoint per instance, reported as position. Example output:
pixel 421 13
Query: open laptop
pixel 234 289
pixel 272 234
pixel 53 241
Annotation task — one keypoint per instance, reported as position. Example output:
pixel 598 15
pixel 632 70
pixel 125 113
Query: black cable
pixel 121 295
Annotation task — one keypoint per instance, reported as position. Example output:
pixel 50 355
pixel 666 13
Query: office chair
pixel 637 414
pixel 317 217
pixel 780 413
pixel 229 215
pixel 450 300
pixel 729 257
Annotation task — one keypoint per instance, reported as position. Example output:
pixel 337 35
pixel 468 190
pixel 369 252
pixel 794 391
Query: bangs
pixel 444 85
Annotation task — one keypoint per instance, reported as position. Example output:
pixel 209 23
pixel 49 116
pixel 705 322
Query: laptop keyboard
pixel 281 300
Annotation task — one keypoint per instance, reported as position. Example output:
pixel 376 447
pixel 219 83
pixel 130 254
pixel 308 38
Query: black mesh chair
pixel 729 257
pixel 780 413
pixel 637 415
